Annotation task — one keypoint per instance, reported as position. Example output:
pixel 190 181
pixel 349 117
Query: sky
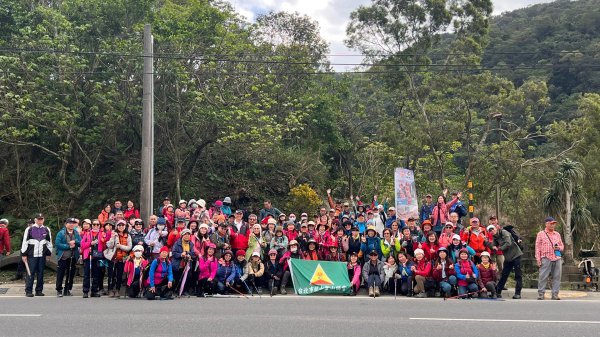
pixel 333 17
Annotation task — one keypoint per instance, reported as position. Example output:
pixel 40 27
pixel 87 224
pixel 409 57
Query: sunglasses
pixel 272 254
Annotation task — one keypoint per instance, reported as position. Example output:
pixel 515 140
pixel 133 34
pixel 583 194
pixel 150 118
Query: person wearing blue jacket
pixel 160 276
pixel 404 275
pixel 371 242
pixel 67 253
pixel 182 253
pixel 226 273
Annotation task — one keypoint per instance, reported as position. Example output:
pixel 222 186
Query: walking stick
pixel 256 288
pixel 24 259
pixel 395 286
pixel 239 292
pixel 459 296
pixel 248 288
pixel 272 286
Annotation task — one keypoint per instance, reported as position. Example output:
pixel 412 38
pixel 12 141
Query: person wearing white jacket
pixel 36 246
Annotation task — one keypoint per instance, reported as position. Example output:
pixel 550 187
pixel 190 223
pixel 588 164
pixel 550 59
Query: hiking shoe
pixel 39 293
pixel 85 295
pixel 103 292
pixel 516 297
pixel 283 291
pixel 555 297
pixel 371 293
pixel 377 292
pixel 59 294
pixel 421 295
pixel 95 295
pixel 67 293
pixel 29 294
pixel 541 297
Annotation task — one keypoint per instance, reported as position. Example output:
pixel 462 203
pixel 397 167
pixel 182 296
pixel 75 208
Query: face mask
pixel 95 230
pixel 294 249
pixel 292 218
pixel 137 254
pixel 160 227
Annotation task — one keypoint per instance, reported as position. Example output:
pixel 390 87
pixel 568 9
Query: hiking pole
pixel 459 296
pixel 395 286
pixel 239 292
pixel 256 288
pixel 272 286
pixel 248 288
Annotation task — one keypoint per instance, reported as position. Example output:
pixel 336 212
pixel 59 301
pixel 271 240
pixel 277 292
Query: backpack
pixel 459 208
pixel 516 237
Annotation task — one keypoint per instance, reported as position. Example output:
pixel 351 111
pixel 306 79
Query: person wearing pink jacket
pixel 208 266
pixel 354 272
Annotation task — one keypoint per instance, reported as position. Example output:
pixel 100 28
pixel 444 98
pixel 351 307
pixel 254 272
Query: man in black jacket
pixel 502 240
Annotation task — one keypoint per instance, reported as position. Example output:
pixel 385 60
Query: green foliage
pixel 303 198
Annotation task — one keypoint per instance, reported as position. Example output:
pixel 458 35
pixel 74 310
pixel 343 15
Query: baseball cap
pixel 71 220
pixel 550 219
pixel 39 216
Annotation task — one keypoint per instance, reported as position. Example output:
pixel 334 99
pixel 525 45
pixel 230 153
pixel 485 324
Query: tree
pixel 563 199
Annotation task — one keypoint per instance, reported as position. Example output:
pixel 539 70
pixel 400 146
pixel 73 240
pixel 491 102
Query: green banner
pixel 319 277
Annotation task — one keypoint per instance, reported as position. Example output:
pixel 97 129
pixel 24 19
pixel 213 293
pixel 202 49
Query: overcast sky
pixel 333 15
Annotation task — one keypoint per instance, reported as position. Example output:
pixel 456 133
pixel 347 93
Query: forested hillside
pixel 252 110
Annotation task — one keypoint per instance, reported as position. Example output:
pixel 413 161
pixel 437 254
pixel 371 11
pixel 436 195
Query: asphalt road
pixel 297 316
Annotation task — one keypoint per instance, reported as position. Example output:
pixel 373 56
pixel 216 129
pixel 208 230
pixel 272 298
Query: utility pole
pixel 147 180
pixel 498 117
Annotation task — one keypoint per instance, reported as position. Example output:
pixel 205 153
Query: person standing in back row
pixel 36 246
pixel 67 245
pixel 548 254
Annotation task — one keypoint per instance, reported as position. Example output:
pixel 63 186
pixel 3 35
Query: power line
pixel 173 56
pixel 280 73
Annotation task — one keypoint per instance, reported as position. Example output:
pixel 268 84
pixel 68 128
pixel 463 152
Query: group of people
pixel 197 250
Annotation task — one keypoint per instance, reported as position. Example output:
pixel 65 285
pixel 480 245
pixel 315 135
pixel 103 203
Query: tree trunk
pixel 567 228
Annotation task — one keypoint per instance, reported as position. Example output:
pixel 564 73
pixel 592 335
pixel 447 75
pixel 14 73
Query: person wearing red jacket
pixel 443 272
pixel 175 234
pixel 431 246
pixel 239 232
pixel 4 239
pixel 131 210
pixel 290 231
pixel 475 236
pixel 421 270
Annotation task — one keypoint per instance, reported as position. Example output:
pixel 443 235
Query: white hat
pixel 227 200
pixel 138 248
pixel 490 227
pixel 455 237
pixel 202 203
pixel 419 251
pixel 272 221
pixel 392 208
pixel 182 202
pixel 203 226
pixel 485 254
pixel 256 254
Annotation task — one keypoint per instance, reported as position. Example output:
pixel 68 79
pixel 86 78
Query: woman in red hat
pixel 160 277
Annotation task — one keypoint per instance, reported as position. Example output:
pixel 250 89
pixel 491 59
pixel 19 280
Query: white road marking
pixel 20 315
pixel 502 320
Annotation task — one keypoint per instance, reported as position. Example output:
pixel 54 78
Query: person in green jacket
pixel 389 244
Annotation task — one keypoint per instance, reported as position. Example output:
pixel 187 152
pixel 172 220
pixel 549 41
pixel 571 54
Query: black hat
pixel 166 198
pixel 39 216
pixel 223 224
pixel 373 252
pixel 181 220
pixel 71 220
pixel 354 229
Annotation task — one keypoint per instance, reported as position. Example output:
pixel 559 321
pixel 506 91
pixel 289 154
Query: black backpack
pixel 515 236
